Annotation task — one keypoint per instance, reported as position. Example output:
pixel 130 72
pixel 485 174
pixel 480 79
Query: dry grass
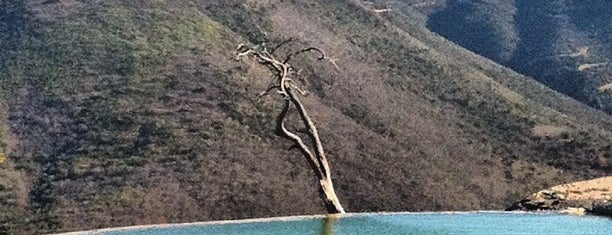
pixel 548 130
pixel 595 189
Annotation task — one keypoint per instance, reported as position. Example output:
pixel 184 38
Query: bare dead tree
pixel 291 92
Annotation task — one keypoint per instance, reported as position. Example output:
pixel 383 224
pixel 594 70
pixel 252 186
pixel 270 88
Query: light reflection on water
pixel 399 223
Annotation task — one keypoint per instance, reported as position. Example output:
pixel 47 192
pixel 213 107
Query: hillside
pixel 565 44
pixel 117 113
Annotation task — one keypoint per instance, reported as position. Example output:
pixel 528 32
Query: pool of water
pixel 398 223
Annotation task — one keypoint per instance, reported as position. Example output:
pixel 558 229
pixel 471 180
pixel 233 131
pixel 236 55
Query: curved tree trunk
pixel 328 194
pixel 286 87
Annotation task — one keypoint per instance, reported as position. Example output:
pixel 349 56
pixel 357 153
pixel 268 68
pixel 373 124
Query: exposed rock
pixel 543 200
pixel 591 196
pixel 574 211
pixel 602 208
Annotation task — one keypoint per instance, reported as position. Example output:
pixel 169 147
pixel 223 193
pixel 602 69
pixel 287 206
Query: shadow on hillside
pixel 591 17
pixel 525 36
pixel 11 25
pixel 457 23
pixel 536 55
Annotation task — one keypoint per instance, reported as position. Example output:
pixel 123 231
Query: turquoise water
pixel 409 223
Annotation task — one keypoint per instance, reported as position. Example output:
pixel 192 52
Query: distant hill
pixel 564 44
pixel 119 112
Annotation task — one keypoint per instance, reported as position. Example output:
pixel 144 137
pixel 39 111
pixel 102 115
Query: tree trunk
pixel 287 88
pixel 332 203
pixel 328 194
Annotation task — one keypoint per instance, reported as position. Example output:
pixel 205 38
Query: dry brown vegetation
pixel 135 112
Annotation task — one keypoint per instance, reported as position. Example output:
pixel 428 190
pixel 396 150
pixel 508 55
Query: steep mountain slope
pixel 563 43
pixel 135 112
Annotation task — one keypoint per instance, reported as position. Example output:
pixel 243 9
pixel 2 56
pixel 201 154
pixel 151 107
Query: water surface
pixel 400 223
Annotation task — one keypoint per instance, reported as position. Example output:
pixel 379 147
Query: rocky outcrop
pixel 591 196
pixel 543 200
pixel 602 208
